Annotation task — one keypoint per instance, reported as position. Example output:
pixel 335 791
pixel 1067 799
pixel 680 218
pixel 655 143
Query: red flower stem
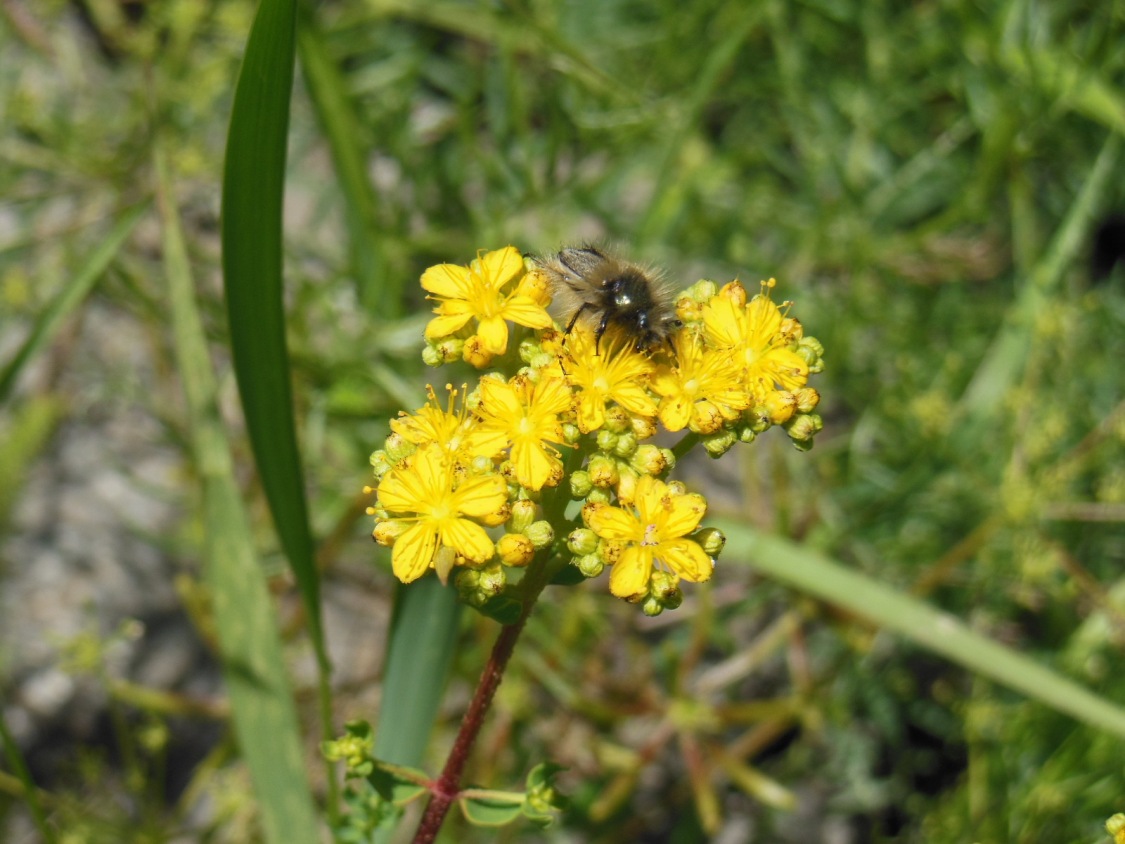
pixel 447 787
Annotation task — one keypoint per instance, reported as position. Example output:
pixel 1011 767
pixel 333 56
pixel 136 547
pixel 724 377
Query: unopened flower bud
pixel 515 549
pixel 590 565
pixel 523 514
pixel 580 484
pixel 627 487
pixel 581 541
pixel 677 488
pixel 706 418
pixel 804 427
pixel 603 471
pixel 617 419
pixel 606 440
pixel 499 517
pixel 626 444
pixel 386 532
pixel 734 291
pixel 380 464
pixel 540 533
pixel 650 460
pixel 396 448
pixel 643 427
pixel 711 540
pixel 781 405
pixel 475 353
pixel 807 400
pixel 719 444
pixel 571 433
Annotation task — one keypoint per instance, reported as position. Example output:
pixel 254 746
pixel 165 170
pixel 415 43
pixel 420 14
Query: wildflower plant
pixel 547 470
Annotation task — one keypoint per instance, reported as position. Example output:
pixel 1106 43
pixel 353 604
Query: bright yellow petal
pixel 501 266
pixel 633 398
pixel 675 412
pixel 552 396
pixel 493 332
pixel 682 514
pixel 686 559
pixel 468 538
pixel 534 465
pixel 498 400
pixel 414 552
pixel 443 326
pixel 448 280
pixel 612 523
pixel 523 311
pixel 398 491
pixel 591 411
pixel 483 496
pixel 631 573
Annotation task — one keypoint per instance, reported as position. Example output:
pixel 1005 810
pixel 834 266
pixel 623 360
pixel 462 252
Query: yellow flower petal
pixel 612 522
pixel 443 326
pixel 687 559
pixel 480 497
pixel 675 412
pixel 494 332
pixel 630 574
pixel 414 552
pixel 468 538
pixel 524 311
pixel 447 280
pixel 535 468
pixel 501 266
pixel 682 514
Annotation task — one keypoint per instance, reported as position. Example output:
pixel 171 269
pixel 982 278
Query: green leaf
pixel 398 784
pixel 253 186
pixel 419 655
pixel 830 581
pixel 491 810
pixel 265 718
pixel 81 283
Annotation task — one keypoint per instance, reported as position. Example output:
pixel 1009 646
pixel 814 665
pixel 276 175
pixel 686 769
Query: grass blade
pixel 265 718
pixel 253 185
pixel 823 578
pixel 70 297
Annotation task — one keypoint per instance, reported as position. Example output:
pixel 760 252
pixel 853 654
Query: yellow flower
pixel 442 502
pixel 703 389
pixel 653 530
pixel 525 416
pixel 455 430
pixel 617 373
pixel 477 291
pixel 754 332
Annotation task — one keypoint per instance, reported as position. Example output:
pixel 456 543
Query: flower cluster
pixel 547 459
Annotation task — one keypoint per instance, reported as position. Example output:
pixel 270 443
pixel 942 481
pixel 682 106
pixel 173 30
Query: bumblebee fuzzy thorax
pixel 588 284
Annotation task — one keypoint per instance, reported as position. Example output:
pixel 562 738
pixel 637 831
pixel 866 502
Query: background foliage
pixel 925 180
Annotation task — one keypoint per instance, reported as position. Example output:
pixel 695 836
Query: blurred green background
pixel 926 180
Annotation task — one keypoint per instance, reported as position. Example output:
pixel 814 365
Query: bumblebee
pixel 603 290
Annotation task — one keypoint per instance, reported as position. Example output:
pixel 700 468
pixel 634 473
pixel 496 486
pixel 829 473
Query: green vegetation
pixel 922 179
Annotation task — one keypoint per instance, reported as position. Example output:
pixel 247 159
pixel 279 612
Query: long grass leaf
pixel 69 298
pixel 253 185
pixel 817 575
pixel 265 717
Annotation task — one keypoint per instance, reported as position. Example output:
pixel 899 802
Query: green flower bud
pixel 711 540
pixel 651 460
pixel 804 427
pixel 380 464
pixel 540 533
pixel 807 400
pixel 523 514
pixel 719 444
pixel 582 541
pixel 590 565
pixel 571 433
pixel 580 484
pixel 603 471
pixel 617 420
pixel 606 440
pixel 599 495
pixel 397 448
pixel 626 444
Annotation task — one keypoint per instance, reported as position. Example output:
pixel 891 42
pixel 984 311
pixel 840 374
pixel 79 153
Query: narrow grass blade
pixel 30 793
pixel 823 578
pixel 253 186
pixel 376 291
pixel 419 656
pixel 265 718
pixel 71 296
pixel 1006 357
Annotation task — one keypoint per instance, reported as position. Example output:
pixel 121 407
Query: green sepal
pixel 543 803
pixel 491 808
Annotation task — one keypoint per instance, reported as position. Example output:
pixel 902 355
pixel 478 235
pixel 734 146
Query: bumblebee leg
pixel 601 330
pixel 574 319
